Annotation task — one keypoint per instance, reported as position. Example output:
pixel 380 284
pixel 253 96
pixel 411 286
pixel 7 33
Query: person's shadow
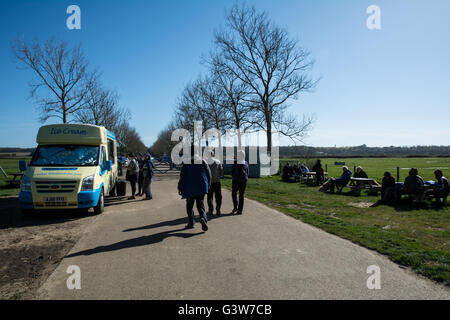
pixel 136 242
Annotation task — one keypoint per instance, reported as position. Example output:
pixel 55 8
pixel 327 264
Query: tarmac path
pixel 140 250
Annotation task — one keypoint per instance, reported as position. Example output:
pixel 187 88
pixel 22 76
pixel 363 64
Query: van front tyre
pixel 100 207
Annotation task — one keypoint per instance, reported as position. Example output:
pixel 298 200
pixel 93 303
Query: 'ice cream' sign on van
pixel 68 131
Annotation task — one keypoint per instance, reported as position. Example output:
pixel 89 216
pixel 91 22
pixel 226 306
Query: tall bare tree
pixel 233 92
pixel 62 74
pixel 275 68
pixel 102 109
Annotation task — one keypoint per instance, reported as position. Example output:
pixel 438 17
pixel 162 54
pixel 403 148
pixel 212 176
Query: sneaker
pixel 209 213
pixel 147 198
pixel 132 198
pixel 234 211
pixel 218 212
pixel 204 225
pixel 239 212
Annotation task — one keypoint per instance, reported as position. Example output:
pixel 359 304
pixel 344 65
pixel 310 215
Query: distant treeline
pixel 364 151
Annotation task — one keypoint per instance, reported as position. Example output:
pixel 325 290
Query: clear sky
pixel 379 87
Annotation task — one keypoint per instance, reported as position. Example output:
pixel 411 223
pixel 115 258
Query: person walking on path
pixel 147 172
pixel 140 161
pixel 194 183
pixel 215 190
pixel 239 174
pixel 132 174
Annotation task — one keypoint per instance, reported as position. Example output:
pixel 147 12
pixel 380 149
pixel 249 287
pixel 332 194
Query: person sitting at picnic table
pixel 287 172
pixel 304 168
pixel 442 187
pixel 296 172
pixel 320 173
pixel 360 173
pixel 387 187
pixel 341 181
pixel 413 185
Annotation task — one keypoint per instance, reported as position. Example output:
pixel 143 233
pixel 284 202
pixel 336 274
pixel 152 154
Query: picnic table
pixel 359 184
pixel 14 180
pixel 310 177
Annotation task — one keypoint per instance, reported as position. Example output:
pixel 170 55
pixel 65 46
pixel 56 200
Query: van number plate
pixel 56 199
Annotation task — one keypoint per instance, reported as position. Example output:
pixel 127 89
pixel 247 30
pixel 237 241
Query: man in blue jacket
pixel 194 183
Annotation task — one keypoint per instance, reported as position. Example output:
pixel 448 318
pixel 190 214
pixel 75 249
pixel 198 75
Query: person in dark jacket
pixel 341 181
pixel 147 173
pixel 287 172
pixel 140 181
pixel 216 169
pixel 360 173
pixel 387 187
pixel 194 184
pixel 413 185
pixel 320 173
pixel 132 174
pixel 239 174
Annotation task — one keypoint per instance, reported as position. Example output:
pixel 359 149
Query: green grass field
pixel 410 234
pixel 9 166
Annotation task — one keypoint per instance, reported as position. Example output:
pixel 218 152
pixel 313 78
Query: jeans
pixel 140 183
pixel 200 207
pixel 238 187
pixel 215 191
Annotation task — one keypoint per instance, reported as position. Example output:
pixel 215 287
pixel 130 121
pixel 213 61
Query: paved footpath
pixel 140 250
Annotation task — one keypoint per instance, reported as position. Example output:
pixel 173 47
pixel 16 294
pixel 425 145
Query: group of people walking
pixel 140 171
pixel 198 178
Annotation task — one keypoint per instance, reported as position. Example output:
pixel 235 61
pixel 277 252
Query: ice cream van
pixel 74 166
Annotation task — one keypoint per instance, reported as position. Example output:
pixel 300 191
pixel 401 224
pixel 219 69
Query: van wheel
pixel 100 207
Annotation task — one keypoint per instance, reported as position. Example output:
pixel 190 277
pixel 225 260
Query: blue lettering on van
pixel 69 131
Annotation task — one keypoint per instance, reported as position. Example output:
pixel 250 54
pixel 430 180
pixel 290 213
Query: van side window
pixel 111 155
pixel 103 158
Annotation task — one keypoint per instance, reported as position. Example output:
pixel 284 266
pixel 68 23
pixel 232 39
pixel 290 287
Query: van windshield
pixel 65 155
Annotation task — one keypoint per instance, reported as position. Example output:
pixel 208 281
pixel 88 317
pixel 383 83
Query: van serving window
pixel 111 155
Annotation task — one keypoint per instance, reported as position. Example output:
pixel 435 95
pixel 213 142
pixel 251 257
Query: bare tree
pixel 260 54
pixel 102 109
pixel 63 78
pixel 233 92
pixel 164 144
pixel 129 139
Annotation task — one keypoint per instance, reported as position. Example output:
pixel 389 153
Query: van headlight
pixel 88 183
pixel 26 184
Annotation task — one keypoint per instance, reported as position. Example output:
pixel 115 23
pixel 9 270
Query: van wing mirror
pixel 22 165
pixel 108 165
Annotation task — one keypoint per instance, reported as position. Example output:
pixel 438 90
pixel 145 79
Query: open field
pixel 413 235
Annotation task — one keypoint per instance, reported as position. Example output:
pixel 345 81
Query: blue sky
pixel 379 87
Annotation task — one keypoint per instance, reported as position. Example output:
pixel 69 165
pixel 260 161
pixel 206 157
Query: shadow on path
pixel 136 242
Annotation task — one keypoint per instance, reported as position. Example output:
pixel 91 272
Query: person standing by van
pixel 194 183
pixel 216 187
pixel 140 160
pixel 132 174
pixel 147 172
pixel 239 174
